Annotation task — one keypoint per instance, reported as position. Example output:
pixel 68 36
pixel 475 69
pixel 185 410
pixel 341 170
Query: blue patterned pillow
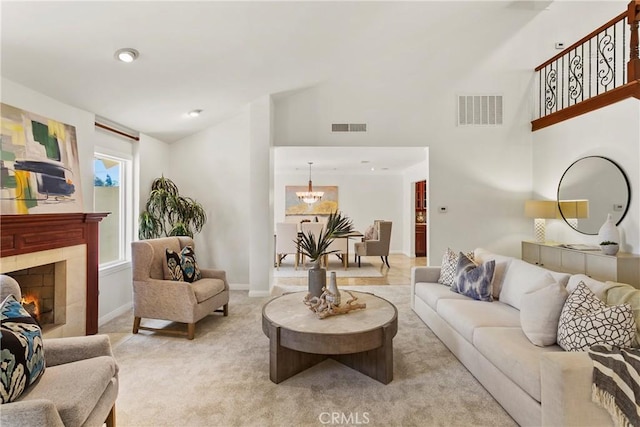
pixel 173 264
pixel 189 265
pixel 474 280
pixel 22 353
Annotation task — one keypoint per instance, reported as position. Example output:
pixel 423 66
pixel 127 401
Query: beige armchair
pixel 79 386
pixel 378 247
pixel 155 297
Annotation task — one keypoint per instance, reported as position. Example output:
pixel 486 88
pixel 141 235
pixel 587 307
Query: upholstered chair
pixel 378 247
pixel 286 242
pixel 157 296
pixel 79 385
pixel 339 247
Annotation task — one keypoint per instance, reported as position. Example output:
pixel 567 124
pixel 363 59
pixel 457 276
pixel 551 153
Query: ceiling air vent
pixel 479 110
pixel 349 127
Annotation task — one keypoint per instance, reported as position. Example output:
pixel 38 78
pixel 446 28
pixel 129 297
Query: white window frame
pixel 125 228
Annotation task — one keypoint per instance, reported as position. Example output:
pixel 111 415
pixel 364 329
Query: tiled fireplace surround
pixel 70 241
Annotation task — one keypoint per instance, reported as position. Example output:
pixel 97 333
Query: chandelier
pixel 309 196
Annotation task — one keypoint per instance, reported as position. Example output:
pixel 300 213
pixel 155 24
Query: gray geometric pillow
pixel 449 266
pixel 474 280
pixel 586 321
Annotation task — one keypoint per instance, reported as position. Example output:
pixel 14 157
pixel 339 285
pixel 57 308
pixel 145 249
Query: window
pixel 110 188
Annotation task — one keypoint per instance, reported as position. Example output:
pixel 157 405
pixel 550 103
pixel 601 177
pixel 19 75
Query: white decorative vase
pixel 609 232
pixel 334 297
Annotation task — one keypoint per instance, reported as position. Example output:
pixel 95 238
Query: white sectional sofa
pixel 535 385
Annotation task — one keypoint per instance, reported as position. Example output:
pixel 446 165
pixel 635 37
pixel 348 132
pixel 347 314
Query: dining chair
pixel 340 247
pixel 286 242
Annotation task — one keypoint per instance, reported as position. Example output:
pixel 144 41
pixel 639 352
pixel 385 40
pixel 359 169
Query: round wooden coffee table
pixel 361 339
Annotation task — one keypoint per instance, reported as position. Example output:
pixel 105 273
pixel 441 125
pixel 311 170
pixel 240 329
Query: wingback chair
pixel 156 296
pixel 378 247
pixel 79 385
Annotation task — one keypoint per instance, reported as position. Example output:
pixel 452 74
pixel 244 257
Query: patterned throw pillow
pixel 474 280
pixel 586 321
pixel 22 353
pixel 371 233
pixel 189 266
pixel 173 264
pixel 449 267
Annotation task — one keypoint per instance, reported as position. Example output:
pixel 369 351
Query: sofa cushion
pixel 449 266
pixel 540 313
pixel 74 388
pixel 586 321
pixel 22 353
pixel 502 263
pixel 597 287
pixel 207 288
pixel 522 277
pixel 466 315
pixel 509 350
pixel 431 293
pixel 621 293
pixel 474 280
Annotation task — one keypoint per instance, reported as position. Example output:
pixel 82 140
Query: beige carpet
pixel 222 378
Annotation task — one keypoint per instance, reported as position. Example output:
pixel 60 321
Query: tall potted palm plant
pixel 316 247
pixel 167 213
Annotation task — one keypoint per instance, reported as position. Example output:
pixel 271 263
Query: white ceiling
pixel 347 160
pixel 214 56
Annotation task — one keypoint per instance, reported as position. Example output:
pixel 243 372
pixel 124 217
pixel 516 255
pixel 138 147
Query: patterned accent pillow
pixel 449 267
pixel 189 266
pixel 173 265
pixel 22 353
pixel 474 280
pixel 371 233
pixel 586 321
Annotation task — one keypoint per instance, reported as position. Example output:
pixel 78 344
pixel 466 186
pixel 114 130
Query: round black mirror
pixel 591 188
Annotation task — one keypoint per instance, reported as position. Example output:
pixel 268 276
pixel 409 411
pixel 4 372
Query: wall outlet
pixel 442 209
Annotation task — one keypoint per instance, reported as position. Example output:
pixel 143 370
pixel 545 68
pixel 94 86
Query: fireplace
pixel 43 291
pixel 70 243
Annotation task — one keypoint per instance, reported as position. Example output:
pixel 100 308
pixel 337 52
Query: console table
pixel 622 267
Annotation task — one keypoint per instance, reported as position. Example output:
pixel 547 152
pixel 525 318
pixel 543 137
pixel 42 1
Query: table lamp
pixel 572 210
pixel 539 210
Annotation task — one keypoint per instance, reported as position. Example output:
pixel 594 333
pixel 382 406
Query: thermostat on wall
pixel 442 209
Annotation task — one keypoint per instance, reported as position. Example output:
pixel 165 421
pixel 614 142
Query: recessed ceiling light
pixel 194 113
pixel 127 54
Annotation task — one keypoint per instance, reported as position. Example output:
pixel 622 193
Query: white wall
pixel 363 198
pixel 612 132
pixel 213 168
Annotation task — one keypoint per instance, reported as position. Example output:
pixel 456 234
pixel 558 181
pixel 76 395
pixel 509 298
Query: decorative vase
pixel 334 297
pixel 609 232
pixel 317 279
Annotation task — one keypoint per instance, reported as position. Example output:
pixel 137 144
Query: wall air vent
pixel 349 127
pixel 480 110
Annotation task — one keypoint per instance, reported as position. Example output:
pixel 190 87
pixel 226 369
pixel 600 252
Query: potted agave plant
pixel 316 247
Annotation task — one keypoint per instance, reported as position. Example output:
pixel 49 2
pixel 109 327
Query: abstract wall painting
pixel 39 164
pixel 326 205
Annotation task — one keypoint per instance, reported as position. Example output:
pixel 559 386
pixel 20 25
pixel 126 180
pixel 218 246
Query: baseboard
pixel 115 313
pixel 238 286
pixel 259 294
